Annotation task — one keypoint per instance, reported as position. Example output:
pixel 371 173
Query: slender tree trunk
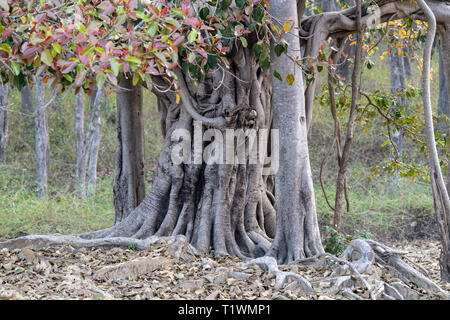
pixel 95 146
pixel 443 102
pixel 87 144
pixel 4 99
pixel 41 138
pixel 440 194
pixel 398 84
pixel 297 231
pixel 80 170
pixel 343 161
pixel 27 99
pixel 445 47
pixel 129 179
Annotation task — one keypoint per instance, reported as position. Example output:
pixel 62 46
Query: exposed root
pixel 269 264
pixel 178 247
pixel 359 257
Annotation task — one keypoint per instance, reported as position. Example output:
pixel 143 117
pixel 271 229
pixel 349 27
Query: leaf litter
pixel 99 273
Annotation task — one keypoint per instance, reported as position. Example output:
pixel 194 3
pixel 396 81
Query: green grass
pixel 21 212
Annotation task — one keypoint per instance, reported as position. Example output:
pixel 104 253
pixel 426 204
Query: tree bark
pixel 87 144
pixel 95 146
pixel 443 102
pixel 4 99
pixel 80 170
pixel 398 84
pixel 440 195
pixel 27 99
pixel 41 138
pixel 297 233
pixel 129 179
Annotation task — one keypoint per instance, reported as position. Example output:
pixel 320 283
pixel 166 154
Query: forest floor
pixel 68 273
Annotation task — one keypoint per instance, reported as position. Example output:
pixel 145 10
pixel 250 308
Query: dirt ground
pixel 68 273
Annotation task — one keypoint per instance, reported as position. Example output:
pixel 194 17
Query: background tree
pixel 4 95
pixel 87 144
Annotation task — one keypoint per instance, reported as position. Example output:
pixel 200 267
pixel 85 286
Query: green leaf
pixel 244 42
pixel 266 64
pixel 212 60
pixel 277 75
pixel 46 57
pixel 133 60
pixel 241 3
pixel 192 36
pixel 258 14
pixel 5 47
pixel 136 78
pixel 152 28
pixel 290 79
pixel 279 49
pixel 15 67
pixel 56 46
pixel 115 67
pixel 101 78
pixel 257 50
pixel 81 28
pixel 204 13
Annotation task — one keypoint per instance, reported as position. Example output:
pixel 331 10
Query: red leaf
pixel 202 52
pixel 192 21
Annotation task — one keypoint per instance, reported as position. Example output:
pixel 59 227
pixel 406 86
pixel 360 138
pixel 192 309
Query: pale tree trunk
pixel 129 179
pixel 440 194
pixel 297 231
pixel 80 170
pixel 4 99
pixel 87 144
pixel 443 102
pixel 398 84
pixel 445 46
pixel 41 138
pixel 95 146
pixel 27 99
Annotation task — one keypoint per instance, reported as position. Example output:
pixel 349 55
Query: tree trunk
pixel 27 99
pixel 80 170
pixel 440 194
pixel 443 102
pixel 229 205
pixel 4 99
pixel 41 138
pixel 129 178
pixel 398 84
pixel 297 232
pixel 87 145
pixel 95 146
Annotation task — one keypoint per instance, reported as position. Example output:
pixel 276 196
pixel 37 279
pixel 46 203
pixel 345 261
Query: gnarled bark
pixel 129 183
